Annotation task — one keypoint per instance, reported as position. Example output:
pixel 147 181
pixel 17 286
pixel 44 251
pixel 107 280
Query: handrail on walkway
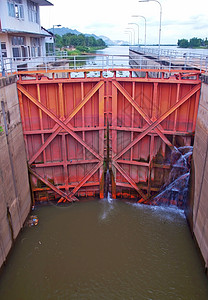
pixel 185 57
pixel 94 62
pixel 109 72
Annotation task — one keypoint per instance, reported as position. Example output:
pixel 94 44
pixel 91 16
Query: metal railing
pixel 184 58
pixel 64 61
pixel 101 61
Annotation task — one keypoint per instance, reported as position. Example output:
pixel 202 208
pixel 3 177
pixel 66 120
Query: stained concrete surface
pixel 200 158
pixel 15 200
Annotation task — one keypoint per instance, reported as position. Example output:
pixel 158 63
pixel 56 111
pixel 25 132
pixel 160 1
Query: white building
pixel 23 40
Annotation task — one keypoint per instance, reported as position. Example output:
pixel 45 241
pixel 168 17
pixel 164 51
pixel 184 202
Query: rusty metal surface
pixel 65 122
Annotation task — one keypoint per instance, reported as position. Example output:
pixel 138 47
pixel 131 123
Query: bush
pixel 82 48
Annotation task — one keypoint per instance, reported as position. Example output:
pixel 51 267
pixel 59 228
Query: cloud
pixel 110 18
pixel 100 25
pixel 200 27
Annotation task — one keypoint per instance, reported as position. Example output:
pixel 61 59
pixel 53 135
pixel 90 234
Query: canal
pixel 105 249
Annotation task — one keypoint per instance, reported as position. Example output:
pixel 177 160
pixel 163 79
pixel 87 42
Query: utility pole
pixel 2 62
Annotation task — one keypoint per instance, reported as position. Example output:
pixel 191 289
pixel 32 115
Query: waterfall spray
pixel 175 191
pixel 107 160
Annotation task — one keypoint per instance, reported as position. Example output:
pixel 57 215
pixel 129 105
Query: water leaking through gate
pixel 76 129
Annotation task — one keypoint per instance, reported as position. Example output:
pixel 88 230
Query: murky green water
pixel 105 250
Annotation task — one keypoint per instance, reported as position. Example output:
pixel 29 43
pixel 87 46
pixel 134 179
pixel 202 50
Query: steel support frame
pixel 152 128
pixel 108 88
pixel 63 127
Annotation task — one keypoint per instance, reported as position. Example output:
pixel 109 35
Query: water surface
pixel 105 249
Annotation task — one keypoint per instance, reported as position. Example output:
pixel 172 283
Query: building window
pixel 33 12
pixel 18 40
pixel 3 49
pixel 19 48
pixel 35 47
pixel 49 48
pixel 15 9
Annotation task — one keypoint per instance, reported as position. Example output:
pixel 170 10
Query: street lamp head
pixel 138 16
pixel 143 0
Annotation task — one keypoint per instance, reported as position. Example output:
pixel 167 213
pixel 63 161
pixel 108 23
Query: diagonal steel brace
pixel 160 119
pixel 142 112
pixel 129 179
pixel 59 122
pixel 53 187
pixel 84 179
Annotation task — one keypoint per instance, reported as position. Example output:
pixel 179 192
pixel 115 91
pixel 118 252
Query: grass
pixel 83 50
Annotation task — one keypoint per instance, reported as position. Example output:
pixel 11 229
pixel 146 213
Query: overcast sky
pixel 180 18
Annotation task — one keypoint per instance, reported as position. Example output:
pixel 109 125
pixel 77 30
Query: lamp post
pixel 160 19
pixel 54 38
pixel 138 29
pixel 130 36
pixel 145 27
pixel 133 40
pixel 2 62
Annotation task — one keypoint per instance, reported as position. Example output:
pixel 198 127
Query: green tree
pixel 66 40
pixel 58 40
pixel 206 42
pixel 90 41
pixel 81 41
pixel 74 41
pixel 100 43
pixel 195 42
pixel 183 43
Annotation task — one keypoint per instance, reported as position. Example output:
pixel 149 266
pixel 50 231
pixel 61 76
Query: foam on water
pixel 163 211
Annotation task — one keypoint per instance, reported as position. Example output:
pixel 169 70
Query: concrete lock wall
pixel 15 200
pixel 200 159
pixel 144 61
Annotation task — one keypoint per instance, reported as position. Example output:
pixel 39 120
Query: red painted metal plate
pixel 65 120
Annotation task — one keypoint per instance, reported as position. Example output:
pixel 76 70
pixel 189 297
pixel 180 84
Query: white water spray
pixel 175 191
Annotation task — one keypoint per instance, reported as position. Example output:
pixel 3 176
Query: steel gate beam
pixel 129 179
pixel 82 182
pixel 142 112
pixel 69 163
pixel 160 119
pixel 59 122
pixel 130 169
pixel 60 125
pixel 53 187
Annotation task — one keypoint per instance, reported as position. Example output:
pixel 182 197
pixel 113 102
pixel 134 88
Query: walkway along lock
pixel 78 129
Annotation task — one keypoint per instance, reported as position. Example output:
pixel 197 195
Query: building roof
pixel 46 32
pixel 43 2
pixel 43 33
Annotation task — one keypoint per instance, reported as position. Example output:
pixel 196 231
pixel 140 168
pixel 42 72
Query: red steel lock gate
pixel 75 128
